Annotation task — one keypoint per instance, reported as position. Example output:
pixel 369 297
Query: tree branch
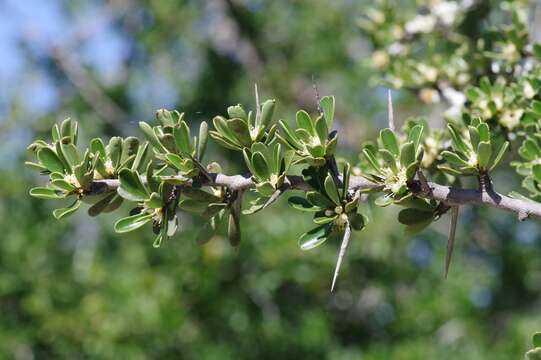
pixel 447 194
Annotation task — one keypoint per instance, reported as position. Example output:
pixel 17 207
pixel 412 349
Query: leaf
pixel 358 221
pixel 236 111
pixel 46 193
pixel 389 141
pixel 131 188
pixel 50 160
pixel 319 200
pixel 314 237
pixel 500 155
pixel 240 128
pixel 536 171
pixel 484 132
pixel 291 138
pixel 331 190
pixel 149 134
pixel 267 110
pixel 414 135
pixel 451 238
pixel 100 206
pixel 369 155
pixel 389 159
pixel 63 212
pixel 536 339
pixel 260 166
pixel 154 201
pixel 384 200
pixel 474 136
pixel 407 154
pixel 182 139
pixel 200 195
pixel 233 229
pixel 176 161
pixel 484 152
pixel 97 147
pixel 63 185
pixel 115 150
pixel 453 159
pixel 304 121
pixel 412 216
pixel 302 204
pixel 131 223
pixel 321 129
pixel 209 229
pixel 327 104
pixel 456 139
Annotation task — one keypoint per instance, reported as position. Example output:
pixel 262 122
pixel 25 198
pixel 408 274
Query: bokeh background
pixel 74 289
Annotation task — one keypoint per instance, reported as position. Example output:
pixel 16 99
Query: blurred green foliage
pixel 75 289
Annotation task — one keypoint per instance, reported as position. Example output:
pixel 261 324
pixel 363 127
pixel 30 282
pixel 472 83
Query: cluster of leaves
pixel 535 353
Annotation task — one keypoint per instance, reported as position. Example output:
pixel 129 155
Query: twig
pixel 450 195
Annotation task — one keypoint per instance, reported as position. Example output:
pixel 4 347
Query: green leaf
pixel 314 237
pixel 115 150
pixel 499 156
pixel 412 216
pixel 321 129
pixel 291 138
pixel 176 161
pixel 182 138
pixel 389 141
pixel 97 147
pixel 484 132
pixel 456 139
pixel 358 221
pixel 151 137
pixel 302 204
pixel 236 111
pixel 63 212
pixel 46 193
pixel 389 159
pixel 193 206
pixel 369 155
pixel 536 339
pixel 474 136
pixel 384 200
pixel 319 200
pixel 327 104
pixel 240 128
pixel 50 160
pixel 453 159
pixel 536 171
pixel 100 206
pixel 131 187
pixel 154 201
pixel 331 190
pixel 63 185
pixel 209 229
pixel 484 152
pixel 260 166
pixel 414 135
pixel 407 154
pixel 267 110
pixel 133 222
pixel 200 195
pixel 304 121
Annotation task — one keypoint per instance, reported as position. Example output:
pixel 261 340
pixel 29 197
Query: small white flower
pixel 109 167
pixel 511 118
pixel 429 96
pixel 421 24
pixel 430 73
pixel 456 99
pixel 529 92
pixel 446 11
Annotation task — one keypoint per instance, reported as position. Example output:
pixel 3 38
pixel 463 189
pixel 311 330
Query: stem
pixel 447 194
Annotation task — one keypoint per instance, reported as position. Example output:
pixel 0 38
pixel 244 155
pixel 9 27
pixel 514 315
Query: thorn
pixel 257 105
pixel 341 254
pixel 451 238
pixel 390 109
pixel 317 96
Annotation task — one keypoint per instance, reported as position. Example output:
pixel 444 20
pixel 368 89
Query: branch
pixel 447 194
